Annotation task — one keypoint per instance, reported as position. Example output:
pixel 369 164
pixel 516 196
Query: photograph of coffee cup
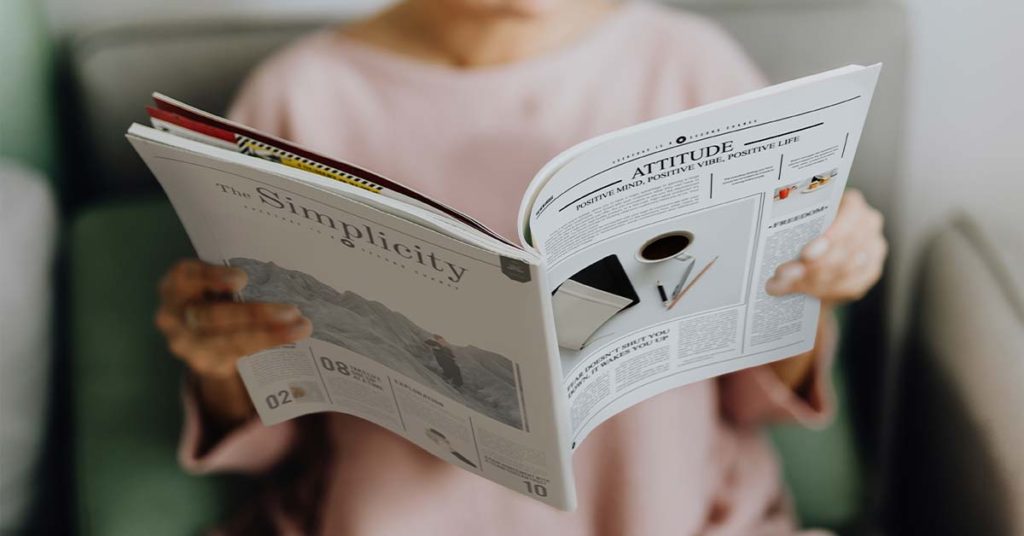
pixel 665 246
pixel 658 272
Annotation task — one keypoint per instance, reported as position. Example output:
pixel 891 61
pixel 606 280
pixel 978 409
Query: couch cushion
pixel 125 387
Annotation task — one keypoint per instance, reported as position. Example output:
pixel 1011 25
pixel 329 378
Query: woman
pixel 464 100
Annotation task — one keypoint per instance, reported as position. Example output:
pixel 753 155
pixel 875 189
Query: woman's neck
pixel 434 31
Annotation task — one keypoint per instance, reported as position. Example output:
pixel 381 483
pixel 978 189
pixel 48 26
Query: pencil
pixel 692 283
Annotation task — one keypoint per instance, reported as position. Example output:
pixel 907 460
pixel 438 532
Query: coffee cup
pixel 665 246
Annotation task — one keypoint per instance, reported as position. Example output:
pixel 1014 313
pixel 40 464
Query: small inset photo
pixel 806 186
pixel 678 267
pixel 781 194
pixel 305 391
pixel 818 181
pixel 444 443
pixel 482 380
pixel 799 195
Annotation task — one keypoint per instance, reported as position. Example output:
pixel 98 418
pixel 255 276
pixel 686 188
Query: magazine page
pixel 435 339
pixel 658 240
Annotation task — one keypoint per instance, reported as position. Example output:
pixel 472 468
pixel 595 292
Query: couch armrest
pixel 962 461
pixel 28 237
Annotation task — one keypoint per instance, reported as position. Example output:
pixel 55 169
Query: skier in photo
pixel 446 360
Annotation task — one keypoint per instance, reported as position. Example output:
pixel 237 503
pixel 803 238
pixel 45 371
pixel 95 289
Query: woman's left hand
pixel 842 264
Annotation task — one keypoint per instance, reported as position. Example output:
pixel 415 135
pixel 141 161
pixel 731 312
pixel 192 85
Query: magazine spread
pixel 642 267
pixel 694 213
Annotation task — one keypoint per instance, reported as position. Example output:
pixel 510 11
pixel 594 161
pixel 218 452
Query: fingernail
pixel 234 277
pixel 285 313
pixel 298 327
pixel 774 287
pixel 783 279
pixel 790 272
pixel 815 249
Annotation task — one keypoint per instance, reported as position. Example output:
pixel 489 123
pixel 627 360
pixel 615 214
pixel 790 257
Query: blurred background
pixel 930 437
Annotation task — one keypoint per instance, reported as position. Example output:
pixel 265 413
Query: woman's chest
pixel 474 148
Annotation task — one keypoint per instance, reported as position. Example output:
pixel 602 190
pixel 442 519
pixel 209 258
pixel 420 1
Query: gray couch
pixel 957 468
pixel 960 460
pixel 28 244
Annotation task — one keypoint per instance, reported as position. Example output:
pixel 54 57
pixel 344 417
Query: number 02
pixel 276 400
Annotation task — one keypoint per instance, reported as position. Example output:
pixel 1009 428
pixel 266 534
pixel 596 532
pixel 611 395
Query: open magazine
pixel 640 266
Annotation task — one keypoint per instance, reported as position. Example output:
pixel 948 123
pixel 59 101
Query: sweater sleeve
pixel 757 396
pixel 251 448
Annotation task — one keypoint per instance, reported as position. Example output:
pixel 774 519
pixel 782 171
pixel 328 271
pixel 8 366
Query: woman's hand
pixel 210 332
pixel 844 263
pixel 839 266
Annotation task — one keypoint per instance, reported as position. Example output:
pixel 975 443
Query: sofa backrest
pixel 114 70
pixel 959 449
pixel 202 62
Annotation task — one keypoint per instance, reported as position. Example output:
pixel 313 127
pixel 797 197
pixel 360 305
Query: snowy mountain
pixel 371 329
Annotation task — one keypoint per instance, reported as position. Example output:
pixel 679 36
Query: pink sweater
pixel 690 461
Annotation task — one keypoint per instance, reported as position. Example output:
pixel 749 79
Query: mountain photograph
pixel 482 380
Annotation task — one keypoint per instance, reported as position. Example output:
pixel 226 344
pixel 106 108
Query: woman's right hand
pixel 209 331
